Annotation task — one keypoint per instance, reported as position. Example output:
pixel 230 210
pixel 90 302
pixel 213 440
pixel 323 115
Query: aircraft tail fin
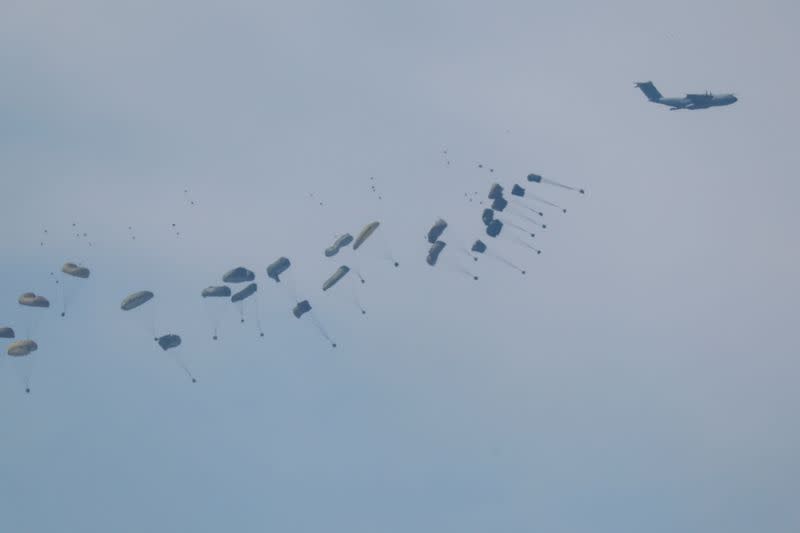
pixel 649 90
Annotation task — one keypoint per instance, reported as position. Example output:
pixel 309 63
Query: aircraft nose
pixel 734 99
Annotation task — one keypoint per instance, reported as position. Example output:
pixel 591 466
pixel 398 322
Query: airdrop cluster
pixel 238 287
pixel 514 211
pixel 510 218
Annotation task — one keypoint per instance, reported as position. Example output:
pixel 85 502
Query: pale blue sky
pixel 642 377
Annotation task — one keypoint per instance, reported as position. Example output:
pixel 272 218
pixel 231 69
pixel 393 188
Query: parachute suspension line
pixel 357 270
pixel 461 247
pixel 61 295
pixel 356 299
pixel 215 314
pixel 456 267
pixel 153 324
pixel 64 295
pixel 321 329
pixel 289 293
pixel 467 253
pixel 529 208
pixel 529 219
pixel 547 202
pixel 520 228
pixel 23 368
pixel 507 262
pixel 466 272
pixel 557 184
pixel 291 285
pixel 258 316
pixel 185 368
pixel 520 242
pixel 31 320
pixel 387 250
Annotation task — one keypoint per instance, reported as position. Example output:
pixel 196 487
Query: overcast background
pixel 641 377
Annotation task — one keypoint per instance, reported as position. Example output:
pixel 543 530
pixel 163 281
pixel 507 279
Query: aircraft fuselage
pixel 716 100
pixel 690 101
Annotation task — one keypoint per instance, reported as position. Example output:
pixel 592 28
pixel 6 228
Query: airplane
pixel 690 101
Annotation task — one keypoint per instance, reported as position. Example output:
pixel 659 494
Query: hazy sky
pixel 641 377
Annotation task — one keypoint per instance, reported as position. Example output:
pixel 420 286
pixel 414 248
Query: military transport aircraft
pixel 690 101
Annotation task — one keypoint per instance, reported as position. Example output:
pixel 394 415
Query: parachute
pixel 19 350
pixel 433 253
pixel 487 216
pixel 214 303
pixel 239 275
pixel 546 202
pixel 368 230
pixel 220 291
pixel 436 231
pixel 278 267
pixel 71 269
pixel 146 320
pixel 496 191
pixel 478 246
pixel 73 273
pixel 340 273
pixel 32 315
pixel 239 298
pixel 30 299
pixel 169 341
pixel 494 228
pixel 22 348
pixel 499 203
pixel 338 244
pixel 135 300
pixel 301 308
pixel 6 333
pixel 365 233
pixel 536 178
pixel 335 277
pixel 244 293
pixel 305 307
pixel 519 192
